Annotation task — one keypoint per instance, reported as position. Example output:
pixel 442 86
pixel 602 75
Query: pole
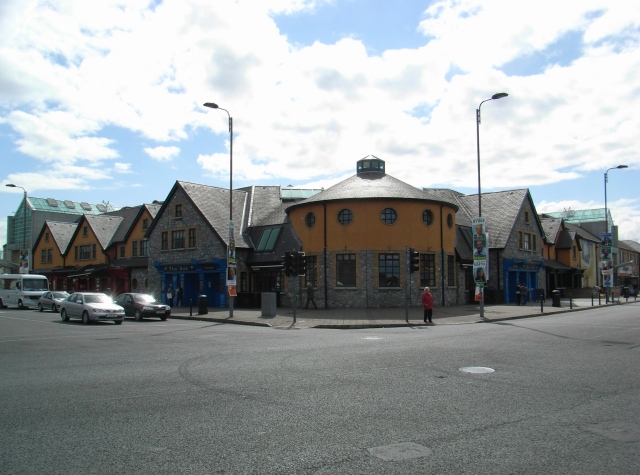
pixel 498 95
pixel 213 105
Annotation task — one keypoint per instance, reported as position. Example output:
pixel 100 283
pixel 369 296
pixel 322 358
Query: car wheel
pixel 138 316
pixel 20 305
pixel 85 318
pixel 163 319
pixel 40 309
pixel 118 322
pixel 64 316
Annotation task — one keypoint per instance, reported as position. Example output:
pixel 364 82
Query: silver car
pixel 91 307
pixel 51 300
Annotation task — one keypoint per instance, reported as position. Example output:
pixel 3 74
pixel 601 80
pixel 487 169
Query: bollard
pixel 592 299
pixel 570 302
pixel 599 299
pixel 191 307
pixel 541 305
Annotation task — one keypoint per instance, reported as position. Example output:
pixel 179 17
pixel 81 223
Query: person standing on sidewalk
pixel 310 297
pixel 170 295
pixel 427 304
pixel 518 294
pixel 179 294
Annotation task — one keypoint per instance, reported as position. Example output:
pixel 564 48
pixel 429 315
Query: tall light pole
pixel 24 223
pixel 213 105
pixel 498 95
pixel 606 179
pixel 606 213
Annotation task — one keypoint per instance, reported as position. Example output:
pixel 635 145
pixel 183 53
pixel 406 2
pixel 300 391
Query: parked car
pixel 140 306
pixel 51 300
pixel 91 307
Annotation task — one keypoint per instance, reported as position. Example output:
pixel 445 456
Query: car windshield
pixel 144 298
pixel 34 284
pixel 60 295
pixel 97 299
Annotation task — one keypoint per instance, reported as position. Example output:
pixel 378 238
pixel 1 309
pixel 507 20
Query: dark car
pixel 140 306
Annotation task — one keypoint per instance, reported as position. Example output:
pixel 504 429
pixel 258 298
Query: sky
pixel 102 101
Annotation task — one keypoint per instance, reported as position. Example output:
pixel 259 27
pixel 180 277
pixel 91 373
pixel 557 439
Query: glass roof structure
pixel 289 194
pixel 64 206
pixel 581 215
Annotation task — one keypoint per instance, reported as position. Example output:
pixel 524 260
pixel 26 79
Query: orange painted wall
pixel 56 255
pixel 368 232
pixel 81 240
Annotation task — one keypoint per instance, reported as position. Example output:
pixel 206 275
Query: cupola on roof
pixel 370 164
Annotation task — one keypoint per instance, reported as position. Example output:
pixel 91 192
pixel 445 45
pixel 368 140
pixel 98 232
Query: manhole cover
pixel 477 369
pixel 399 452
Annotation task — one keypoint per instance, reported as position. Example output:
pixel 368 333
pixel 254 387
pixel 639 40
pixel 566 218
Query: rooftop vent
pixel 53 203
pixel 85 206
pixel 70 204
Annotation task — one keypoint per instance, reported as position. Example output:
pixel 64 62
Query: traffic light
pixel 288 263
pixel 414 260
pixel 301 264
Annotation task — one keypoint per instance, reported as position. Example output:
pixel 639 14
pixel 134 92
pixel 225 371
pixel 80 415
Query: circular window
pixel 388 216
pixel 427 217
pixel 449 220
pixel 310 219
pixel 345 216
pixel 134 284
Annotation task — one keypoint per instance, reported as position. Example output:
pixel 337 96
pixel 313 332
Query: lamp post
pixel 606 179
pixel 606 212
pixel 498 95
pixel 213 105
pixel 24 222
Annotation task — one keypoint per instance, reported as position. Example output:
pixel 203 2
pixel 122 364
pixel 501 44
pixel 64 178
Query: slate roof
pixel 551 227
pixel 631 245
pixel 371 186
pixel 463 244
pixel 582 232
pixel 61 233
pixel 129 216
pixel 500 209
pixel 104 227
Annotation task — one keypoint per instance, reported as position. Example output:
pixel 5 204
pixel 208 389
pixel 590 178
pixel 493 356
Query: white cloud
pixel 162 154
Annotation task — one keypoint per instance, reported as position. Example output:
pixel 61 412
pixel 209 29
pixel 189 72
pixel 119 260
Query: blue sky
pixel 102 101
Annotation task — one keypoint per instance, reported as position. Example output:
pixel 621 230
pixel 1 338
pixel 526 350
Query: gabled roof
pixel 632 245
pixel 212 203
pixel 129 217
pixel 500 209
pixel 582 232
pixel 551 227
pixel 104 227
pixel 565 239
pixel 61 233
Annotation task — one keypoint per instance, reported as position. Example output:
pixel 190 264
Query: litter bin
pixel 202 305
pixel 555 298
pixel 268 304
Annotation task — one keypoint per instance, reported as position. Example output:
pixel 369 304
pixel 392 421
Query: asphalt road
pixel 188 397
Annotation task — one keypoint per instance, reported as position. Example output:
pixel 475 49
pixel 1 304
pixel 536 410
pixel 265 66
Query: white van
pixel 22 290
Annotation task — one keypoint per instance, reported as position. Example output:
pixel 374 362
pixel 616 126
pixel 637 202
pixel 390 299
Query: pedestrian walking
pixel 427 305
pixel 179 294
pixel 170 293
pixel 310 297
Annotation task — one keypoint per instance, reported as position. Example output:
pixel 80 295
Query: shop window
pixel 389 270
pixel 346 270
pixel 427 270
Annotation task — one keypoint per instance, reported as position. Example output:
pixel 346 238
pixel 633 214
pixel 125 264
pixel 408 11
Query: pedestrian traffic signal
pixel 288 263
pixel 414 260
pixel 301 264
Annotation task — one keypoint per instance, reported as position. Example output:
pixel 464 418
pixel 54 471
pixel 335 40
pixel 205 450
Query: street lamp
pixel 24 220
pixel 606 179
pixel 606 212
pixel 498 95
pixel 213 105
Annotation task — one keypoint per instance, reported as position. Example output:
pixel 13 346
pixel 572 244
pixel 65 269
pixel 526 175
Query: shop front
pixel 196 279
pixel 524 273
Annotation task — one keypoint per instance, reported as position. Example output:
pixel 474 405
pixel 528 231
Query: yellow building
pixel 357 235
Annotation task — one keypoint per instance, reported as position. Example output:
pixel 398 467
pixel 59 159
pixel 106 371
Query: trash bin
pixel 268 304
pixel 202 305
pixel 555 298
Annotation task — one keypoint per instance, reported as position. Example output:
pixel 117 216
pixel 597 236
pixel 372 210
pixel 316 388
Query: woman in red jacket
pixel 427 305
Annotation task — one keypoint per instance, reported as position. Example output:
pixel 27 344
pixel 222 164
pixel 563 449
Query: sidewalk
pixel 344 318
